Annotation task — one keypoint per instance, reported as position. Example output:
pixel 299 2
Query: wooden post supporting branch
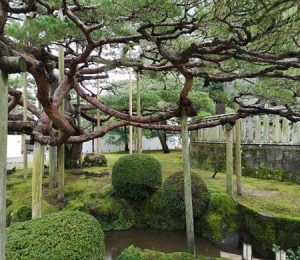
pixel 229 159
pixel 98 144
pixel 37 177
pixel 130 110
pixel 238 155
pixel 189 220
pixel 61 148
pixel 24 144
pixel 3 154
pixel 138 112
pixel 52 166
pixel 79 123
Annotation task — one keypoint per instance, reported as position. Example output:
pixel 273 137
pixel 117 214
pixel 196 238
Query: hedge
pixel 62 235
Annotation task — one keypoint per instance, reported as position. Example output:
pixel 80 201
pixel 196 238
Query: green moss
pixel 113 213
pixel 264 172
pixel 221 217
pixel 63 235
pixel 134 253
pixel 266 230
pixel 92 160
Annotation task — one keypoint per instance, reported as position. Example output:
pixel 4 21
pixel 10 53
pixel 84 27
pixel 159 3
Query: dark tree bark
pixel 72 155
pixel 163 141
pixel 126 139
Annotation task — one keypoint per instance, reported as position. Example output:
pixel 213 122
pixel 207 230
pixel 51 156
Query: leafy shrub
pixel 63 235
pixel 263 172
pixel 173 190
pixel 92 160
pixel 221 217
pixel 136 176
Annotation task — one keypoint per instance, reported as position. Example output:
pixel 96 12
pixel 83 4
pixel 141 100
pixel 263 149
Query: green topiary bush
pixel 173 191
pixel 63 235
pixel 136 176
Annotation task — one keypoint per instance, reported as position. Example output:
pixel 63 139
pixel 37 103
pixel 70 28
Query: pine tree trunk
pixel 163 141
pixel 24 144
pixel 37 177
pixel 229 159
pixel 187 186
pixel 3 154
pixel 126 139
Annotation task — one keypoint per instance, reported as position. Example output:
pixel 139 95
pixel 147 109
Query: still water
pixel 164 241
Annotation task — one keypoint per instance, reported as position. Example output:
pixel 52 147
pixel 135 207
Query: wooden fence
pixel 264 129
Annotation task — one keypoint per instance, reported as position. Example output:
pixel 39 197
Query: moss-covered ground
pixel 271 197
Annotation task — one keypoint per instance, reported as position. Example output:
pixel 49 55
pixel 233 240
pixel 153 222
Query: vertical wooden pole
pixel 79 123
pixel 130 110
pixel 24 144
pixel 238 155
pixel 138 111
pixel 187 186
pixel 61 148
pixel 52 166
pixel 98 144
pixel 229 159
pixel 257 131
pixel 3 157
pixel 37 177
pixel 266 129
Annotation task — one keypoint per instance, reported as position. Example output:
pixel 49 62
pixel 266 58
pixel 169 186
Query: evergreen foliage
pixel 136 176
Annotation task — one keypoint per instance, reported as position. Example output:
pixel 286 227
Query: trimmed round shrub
pixel 62 235
pixel 173 191
pixel 92 160
pixel 136 176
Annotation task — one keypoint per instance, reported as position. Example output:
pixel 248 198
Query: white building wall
pixel 14 146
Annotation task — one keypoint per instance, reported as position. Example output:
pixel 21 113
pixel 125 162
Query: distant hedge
pixel 62 235
pixel 173 192
pixel 136 176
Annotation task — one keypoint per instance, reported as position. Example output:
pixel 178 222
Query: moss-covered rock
pixel 63 235
pixel 18 213
pixel 173 192
pixel 94 160
pixel 220 223
pixel 113 213
pixel 264 231
pixel 153 212
pixel 135 253
pixel 136 176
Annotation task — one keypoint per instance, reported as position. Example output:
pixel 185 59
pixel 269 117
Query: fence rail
pixel 264 129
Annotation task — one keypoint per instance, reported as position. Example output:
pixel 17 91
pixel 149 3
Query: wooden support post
pixel 276 129
pixel 247 252
pixel 238 155
pixel 266 133
pixel 229 159
pixel 24 144
pixel 61 148
pixel 138 112
pixel 189 220
pixel 79 123
pixel 3 155
pixel 98 144
pixel 257 131
pixel 130 111
pixel 37 177
pixel 52 166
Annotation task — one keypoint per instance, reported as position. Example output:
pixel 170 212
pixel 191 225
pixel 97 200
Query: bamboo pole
pixel 229 159
pixel 3 154
pixel 61 148
pixel 37 177
pixel 187 186
pixel 138 111
pixel 130 110
pixel 24 144
pixel 98 144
